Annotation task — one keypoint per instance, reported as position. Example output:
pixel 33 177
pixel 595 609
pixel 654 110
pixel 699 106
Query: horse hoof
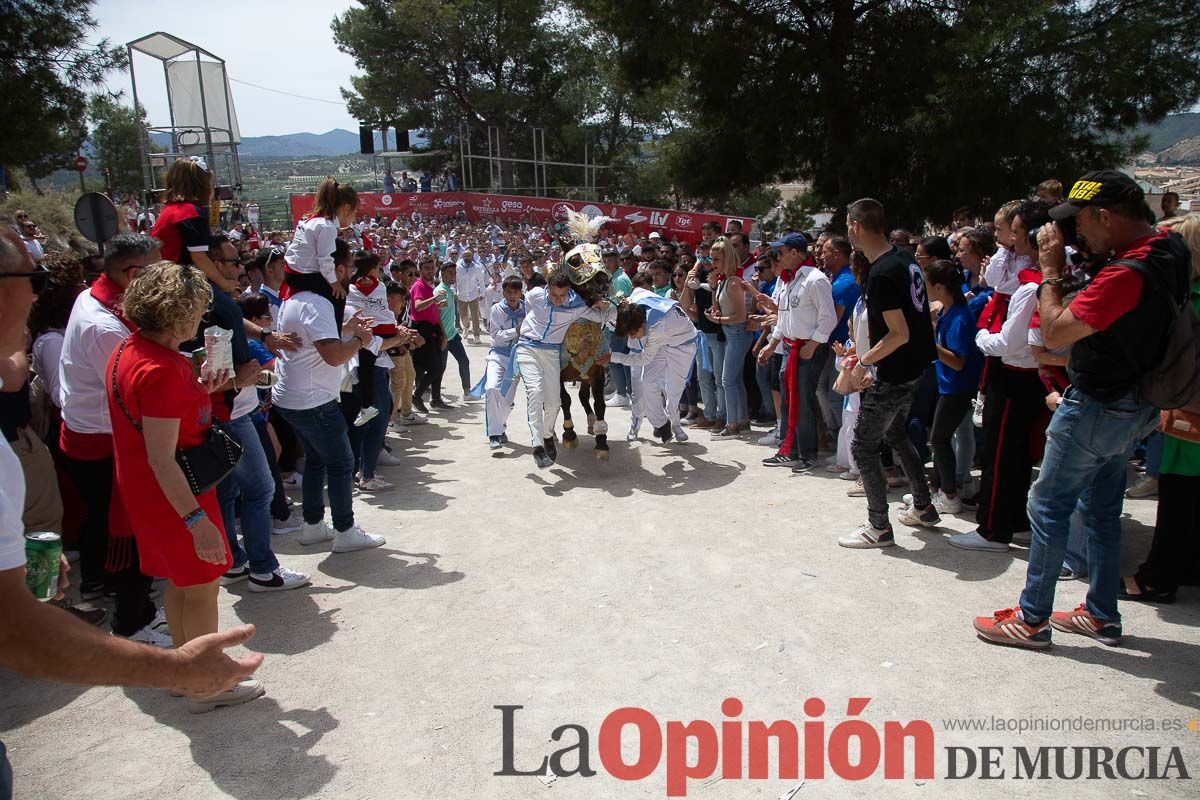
pixel 571 443
pixel 602 455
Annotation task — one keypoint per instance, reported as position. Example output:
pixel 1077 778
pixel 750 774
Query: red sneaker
pixel 1007 627
pixel 1081 622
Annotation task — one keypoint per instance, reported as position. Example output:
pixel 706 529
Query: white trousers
pixel 662 383
pixel 539 373
pixel 497 406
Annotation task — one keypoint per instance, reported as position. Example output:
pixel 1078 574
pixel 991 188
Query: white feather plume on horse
pixel 585 229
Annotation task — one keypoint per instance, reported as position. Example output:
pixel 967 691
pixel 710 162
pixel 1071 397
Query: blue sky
pixel 280 45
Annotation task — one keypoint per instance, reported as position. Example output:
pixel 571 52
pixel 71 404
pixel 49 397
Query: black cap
pixel 608 251
pixel 1097 189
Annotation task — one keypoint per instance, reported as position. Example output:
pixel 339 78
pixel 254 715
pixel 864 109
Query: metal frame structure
pixel 170 49
pixel 541 179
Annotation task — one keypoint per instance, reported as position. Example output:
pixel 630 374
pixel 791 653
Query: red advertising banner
pixel 684 225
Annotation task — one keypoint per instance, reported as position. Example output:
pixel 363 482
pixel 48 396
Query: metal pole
pixel 237 167
pixel 470 160
pixel 146 185
pixel 491 162
pixel 175 145
pixel 462 154
pixel 208 144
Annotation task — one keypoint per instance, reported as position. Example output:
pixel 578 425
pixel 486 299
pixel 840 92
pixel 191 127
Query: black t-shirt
pixel 896 282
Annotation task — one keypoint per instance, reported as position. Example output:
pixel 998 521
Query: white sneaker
pixel 857 490
pixel 619 401
pixel 867 537
pixel 375 484
pixel 977 413
pixel 680 433
pixel 282 526
pixel 355 538
pixel 294 482
pixel 159 623
pixel 242 692
pixel 973 541
pixel 386 459
pixel 771 439
pixel 149 635
pixel 366 415
pixel 413 419
pixel 1147 486
pixel 280 580
pixel 632 436
pixel 947 505
pixel 315 534
pixel 850 475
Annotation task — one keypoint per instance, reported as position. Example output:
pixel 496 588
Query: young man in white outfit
pixel 500 382
pixel 662 343
pixel 550 310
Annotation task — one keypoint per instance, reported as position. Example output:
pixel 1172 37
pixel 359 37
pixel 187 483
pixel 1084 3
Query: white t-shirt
pixel 47 356
pixel 12 507
pixel 93 333
pixel 304 379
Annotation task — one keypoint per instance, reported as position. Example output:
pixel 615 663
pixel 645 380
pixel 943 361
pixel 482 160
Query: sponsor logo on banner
pixel 659 218
pixel 561 210
pixel 636 217
pixel 591 212
pixel 512 205
pixel 683 221
pixel 440 203
pixel 386 200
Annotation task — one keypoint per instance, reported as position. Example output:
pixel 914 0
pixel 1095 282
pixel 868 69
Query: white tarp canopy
pixel 187 69
pixel 184 79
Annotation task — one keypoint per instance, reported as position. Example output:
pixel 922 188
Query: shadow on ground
pixel 252 751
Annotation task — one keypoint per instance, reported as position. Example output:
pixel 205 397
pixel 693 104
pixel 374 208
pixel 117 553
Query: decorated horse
pixel 586 341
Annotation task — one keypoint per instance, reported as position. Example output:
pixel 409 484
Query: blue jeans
pixel 762 376
pixel 327 455
pixel 1087 445
pixel 737 342
pixel 366 441
pixel 1154 451
pixel 619 372
pixel 251 479
pixel 716 358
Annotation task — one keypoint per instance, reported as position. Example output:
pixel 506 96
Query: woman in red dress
pixel 157 406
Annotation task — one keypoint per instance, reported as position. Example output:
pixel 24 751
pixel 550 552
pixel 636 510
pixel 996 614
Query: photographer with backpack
pixel 1118 327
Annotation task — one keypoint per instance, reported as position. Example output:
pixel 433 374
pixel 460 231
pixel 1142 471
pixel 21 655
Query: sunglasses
pixel 37 279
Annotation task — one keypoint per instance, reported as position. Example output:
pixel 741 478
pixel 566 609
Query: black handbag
pixel 206 464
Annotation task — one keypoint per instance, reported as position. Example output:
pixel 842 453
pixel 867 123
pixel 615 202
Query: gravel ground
pixel 667 578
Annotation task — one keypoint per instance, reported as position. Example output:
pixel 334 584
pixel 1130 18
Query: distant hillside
pixel 1172 130
pixel 336 142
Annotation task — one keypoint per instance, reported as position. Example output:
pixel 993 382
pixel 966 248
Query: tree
pixel 925 104
pixel 46 67
pixel 513 66
pixel 115 131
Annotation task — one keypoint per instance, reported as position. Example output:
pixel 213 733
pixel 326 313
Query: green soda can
pixel 43 551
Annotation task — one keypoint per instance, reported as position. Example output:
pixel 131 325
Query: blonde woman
pixel 157 407
pixel 729 356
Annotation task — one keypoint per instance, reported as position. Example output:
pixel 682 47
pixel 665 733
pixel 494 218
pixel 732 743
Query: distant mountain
pixel 1172 130
pixel 336 142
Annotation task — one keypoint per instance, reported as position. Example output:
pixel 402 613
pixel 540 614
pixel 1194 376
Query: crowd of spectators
pixel 986 348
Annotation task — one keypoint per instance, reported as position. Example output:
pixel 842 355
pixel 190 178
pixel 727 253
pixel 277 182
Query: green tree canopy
pixel 926 104
pixel 115 128
pixel 46 67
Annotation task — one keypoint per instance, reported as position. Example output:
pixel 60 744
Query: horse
pixel 584 343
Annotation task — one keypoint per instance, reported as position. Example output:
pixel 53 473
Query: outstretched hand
pixel 205 669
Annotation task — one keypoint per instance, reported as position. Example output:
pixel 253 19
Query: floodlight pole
pixel 141 130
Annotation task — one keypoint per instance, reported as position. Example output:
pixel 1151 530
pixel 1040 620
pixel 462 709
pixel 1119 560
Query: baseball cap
pixel 655 235
pixel 608 251
pixel 1097 189
pixel 795 241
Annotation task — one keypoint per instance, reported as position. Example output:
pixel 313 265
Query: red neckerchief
pixel 1030 276
pixel 367 285
pixel 787 274
pixel 108 294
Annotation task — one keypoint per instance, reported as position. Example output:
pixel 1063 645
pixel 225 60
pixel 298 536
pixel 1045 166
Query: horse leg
pixel 585 389
pixel 601 427
pixel 570 438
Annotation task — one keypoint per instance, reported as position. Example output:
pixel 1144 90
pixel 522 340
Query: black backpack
pixel 1173 381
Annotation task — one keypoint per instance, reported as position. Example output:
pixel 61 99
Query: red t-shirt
pixel 155 381
pixel 181 230
pixel 1115 290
